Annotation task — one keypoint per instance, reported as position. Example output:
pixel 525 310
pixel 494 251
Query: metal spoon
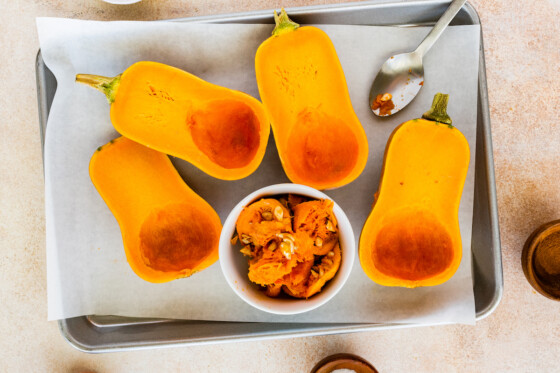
pixel 402 75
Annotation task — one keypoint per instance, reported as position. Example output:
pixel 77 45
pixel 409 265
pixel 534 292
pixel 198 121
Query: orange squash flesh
pixel 411 237
pixel 298 259
pixel 270 266
pixel 221 131
pixel 313 283
pixel 329 265
pixel 320 140
pixel 252 223
pixel 313 219
pixel 168 230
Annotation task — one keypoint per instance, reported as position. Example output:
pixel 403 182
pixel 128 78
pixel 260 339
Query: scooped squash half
pixel 221 131
pixel 411 237
pixel 168 230
pixel 320 140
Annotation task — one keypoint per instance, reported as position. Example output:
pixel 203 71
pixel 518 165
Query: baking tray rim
pixel 489 163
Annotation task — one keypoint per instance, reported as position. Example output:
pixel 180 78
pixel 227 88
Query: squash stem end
pixel 283 23
pixel 438 111
pixel 103 84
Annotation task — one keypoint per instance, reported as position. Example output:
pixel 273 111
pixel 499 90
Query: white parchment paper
pixel 87 269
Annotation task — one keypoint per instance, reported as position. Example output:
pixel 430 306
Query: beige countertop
pixel 522 47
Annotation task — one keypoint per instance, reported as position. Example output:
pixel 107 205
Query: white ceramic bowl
pixel 235 265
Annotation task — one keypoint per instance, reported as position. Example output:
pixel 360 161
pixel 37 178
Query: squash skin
pixel 320 140
pixel 159 216
pixel 411 237
pixel 221 131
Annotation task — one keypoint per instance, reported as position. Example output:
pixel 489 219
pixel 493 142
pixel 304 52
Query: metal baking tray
pixel 111 333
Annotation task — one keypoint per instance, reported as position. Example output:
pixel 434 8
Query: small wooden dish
pixel 541 260
pixel 343 361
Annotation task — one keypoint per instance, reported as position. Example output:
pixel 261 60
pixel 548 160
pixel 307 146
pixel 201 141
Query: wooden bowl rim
pixel 343 361
pixel 529 252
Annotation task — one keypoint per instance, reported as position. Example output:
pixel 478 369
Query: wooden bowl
pixel 541 260
pixel 343 361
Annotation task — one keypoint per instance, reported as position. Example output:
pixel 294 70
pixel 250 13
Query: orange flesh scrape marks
pixel 227 132
pixel 323 148
pixel 176 237
pixel 327 268
pixel 251 222
pixel 285 258
pixel 300 273
pixel 412 247
pixel 312 220
pixel 270 267
pixel 316 284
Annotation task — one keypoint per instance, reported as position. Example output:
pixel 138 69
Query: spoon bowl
pixel 402 76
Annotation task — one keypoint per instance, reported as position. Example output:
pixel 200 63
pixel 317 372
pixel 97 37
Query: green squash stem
pixel 283 23
pixel 104 84
pixel 438 111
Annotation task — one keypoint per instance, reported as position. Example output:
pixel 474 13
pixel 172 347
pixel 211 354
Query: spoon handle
pixel 441 24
